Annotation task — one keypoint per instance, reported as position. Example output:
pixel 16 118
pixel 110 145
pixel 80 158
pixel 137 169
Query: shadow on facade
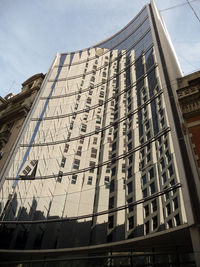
pixel 65 234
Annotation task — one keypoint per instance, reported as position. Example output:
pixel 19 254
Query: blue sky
pixel 33 31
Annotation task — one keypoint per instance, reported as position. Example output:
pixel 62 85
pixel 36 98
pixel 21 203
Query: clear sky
pixel 33 31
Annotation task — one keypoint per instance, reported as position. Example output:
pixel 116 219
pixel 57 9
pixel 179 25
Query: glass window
pixel 162 163
pixel 148 135
pixel 168 209
pixel 175 201
pixel 130 172
pixel 144 179
pixel 151 173
pixel 153 188
pixel 130 146
pixel 166 144
pixel 85 117
pixel 161 150
pixel 155 222
pixel 111 202
pixel 130 200
pixel 63 162
pixel 147 125
pixel 147 227
pixel 60 174
pixel 116 115
pixel 164 177
pixel 177 219
pixel 167 194
pixel 146 210
pixel 115 135
pixel 101 94
pixel 131 223
pixel 97 129
pixel 107 180
pixel 144 192
pixel 89 182
pixel 95 140
pixel 129 135
pixel 142 164
pixel 93 153
pixel 129 107
pixel 170 225
pixel 114 145
pixel 130 159
pixel 100 102
pixel 98 120
pixel 81 140
pixel 113 171
pixel 142 153
pixel 66 148
pixel 170 169
pixel 71 125
pixel 92 164
pixel 110 221
pixel 130 187
pixel 173 183
pixel 123 168
pixel 154 205
pixel 113 158
pixel 112 186
pixel 74 179
pixel 148 147
pixel 76 164
pixel 83 127
pixel 79 151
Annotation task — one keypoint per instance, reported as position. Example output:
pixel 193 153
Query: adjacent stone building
pixel 189 99
pixel 13 112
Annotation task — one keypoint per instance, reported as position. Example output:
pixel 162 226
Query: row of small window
pixel 174 221
pixel 154 222
pixel 111 222
pixel 150 209
pixel 145 162
pixel 84 126
pixel 92 155
pixel 165 160
pixel 162 141
pixel 148 176
pixel 76 165
pixel 150 190
pixel 170 208
pixel 73 179
pixel 163 166
pixel 168 194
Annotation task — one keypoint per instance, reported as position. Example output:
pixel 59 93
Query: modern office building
pixel 102 165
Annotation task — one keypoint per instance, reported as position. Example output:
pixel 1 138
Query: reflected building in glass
pixel 102 155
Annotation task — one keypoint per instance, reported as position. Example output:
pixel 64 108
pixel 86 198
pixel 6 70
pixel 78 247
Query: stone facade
pixel 189 99
pixel 13 111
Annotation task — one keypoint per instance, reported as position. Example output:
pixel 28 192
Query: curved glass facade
pixel 97 160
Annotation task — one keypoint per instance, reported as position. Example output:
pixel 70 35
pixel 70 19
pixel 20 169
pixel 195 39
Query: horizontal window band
pixel 124 155
pixel 104 102
pixel 103 54
pixel 96 214
pixel 100 130
pixel 80 75
pixel 100 84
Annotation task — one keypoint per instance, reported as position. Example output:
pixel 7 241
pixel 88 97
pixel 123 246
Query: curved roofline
pixel 108 38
